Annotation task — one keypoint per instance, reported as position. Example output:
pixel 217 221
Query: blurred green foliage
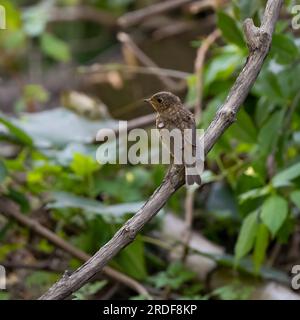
pixel 252 176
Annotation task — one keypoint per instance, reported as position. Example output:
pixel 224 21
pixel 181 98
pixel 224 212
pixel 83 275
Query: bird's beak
pixel 147 100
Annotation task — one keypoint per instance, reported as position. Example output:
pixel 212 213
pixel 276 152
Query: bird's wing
pixel 164 128
pixel 193 159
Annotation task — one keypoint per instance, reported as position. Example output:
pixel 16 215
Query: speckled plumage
pixel 171 114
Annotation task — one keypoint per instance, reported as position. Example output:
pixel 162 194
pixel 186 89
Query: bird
pixel 171 114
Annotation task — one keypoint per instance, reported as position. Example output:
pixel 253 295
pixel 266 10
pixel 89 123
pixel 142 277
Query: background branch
pixel 126 40
pixel 175 176
pixel 135 17
pixel 11 210
pixel 199 65
pixel 85 13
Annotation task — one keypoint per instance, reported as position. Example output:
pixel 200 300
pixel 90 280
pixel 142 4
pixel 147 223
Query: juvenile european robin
pixel 171 114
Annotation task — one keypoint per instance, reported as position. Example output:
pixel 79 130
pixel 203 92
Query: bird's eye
pixel 159 100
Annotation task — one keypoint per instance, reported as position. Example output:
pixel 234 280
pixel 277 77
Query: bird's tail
pixel 194 161
pixel 192 175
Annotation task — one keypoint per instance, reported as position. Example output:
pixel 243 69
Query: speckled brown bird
pixel 171 114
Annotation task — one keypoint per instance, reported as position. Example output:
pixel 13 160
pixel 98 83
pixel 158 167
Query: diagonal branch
pixel 175 177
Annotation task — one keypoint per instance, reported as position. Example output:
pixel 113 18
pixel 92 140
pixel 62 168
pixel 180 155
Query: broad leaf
pixel 248 8
pixel 268 134
pixel 63 127
pixel 244 128
pixel 260 248
pixel 246 236
pixel 16 131
pixel 254 193
pixel 55 48
pixel 131 260
pixel 268 84
pixel 230 29
pixel 83 165
pixel 274 212
pixel 295 197
pixel 284 49
pixel 222 66
pixel 63 200
pixel 284 177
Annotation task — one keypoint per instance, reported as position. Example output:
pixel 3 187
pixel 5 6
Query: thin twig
pixel 132 18
pixel 199 6
pixel 189 217
pixel 174 179
pixel 86 13
pixel 206 24
pixel 199 64
pixel 11 210
pixel 102 68
pixel 126 40
pixel 173 29
pixel 45 266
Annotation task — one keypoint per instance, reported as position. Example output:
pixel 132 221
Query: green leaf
pixel 174 277
pixel 244 128
pixel 4 296
pixel 295 197
pixel 222 66
pixel 15 41
pixel 16 131
pixel 3 171
pixel 44 246
pixel 246 266
pixel 274 212
pixel 89 289
pixel 132 260
pixel 260 247
pixel 20 199
pixel 40 279
pixel 284 177
pixel 268 135
pixel 234 291
pixel 263 110
pixel 254 193
pixel 54 134
pixel 55 48
pixel 288 82
pixel 269 85
pixel 83 165
pixel 35 92
pixel 63 200
pixel 6 249
pixel 246 236
pixel 230 29
pixel 248 8
pixel 284 49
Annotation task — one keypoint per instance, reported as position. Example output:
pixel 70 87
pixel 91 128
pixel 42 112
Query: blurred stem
pixel 90 184
pixel 287 124
pixel 226 173
pixel 156 242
